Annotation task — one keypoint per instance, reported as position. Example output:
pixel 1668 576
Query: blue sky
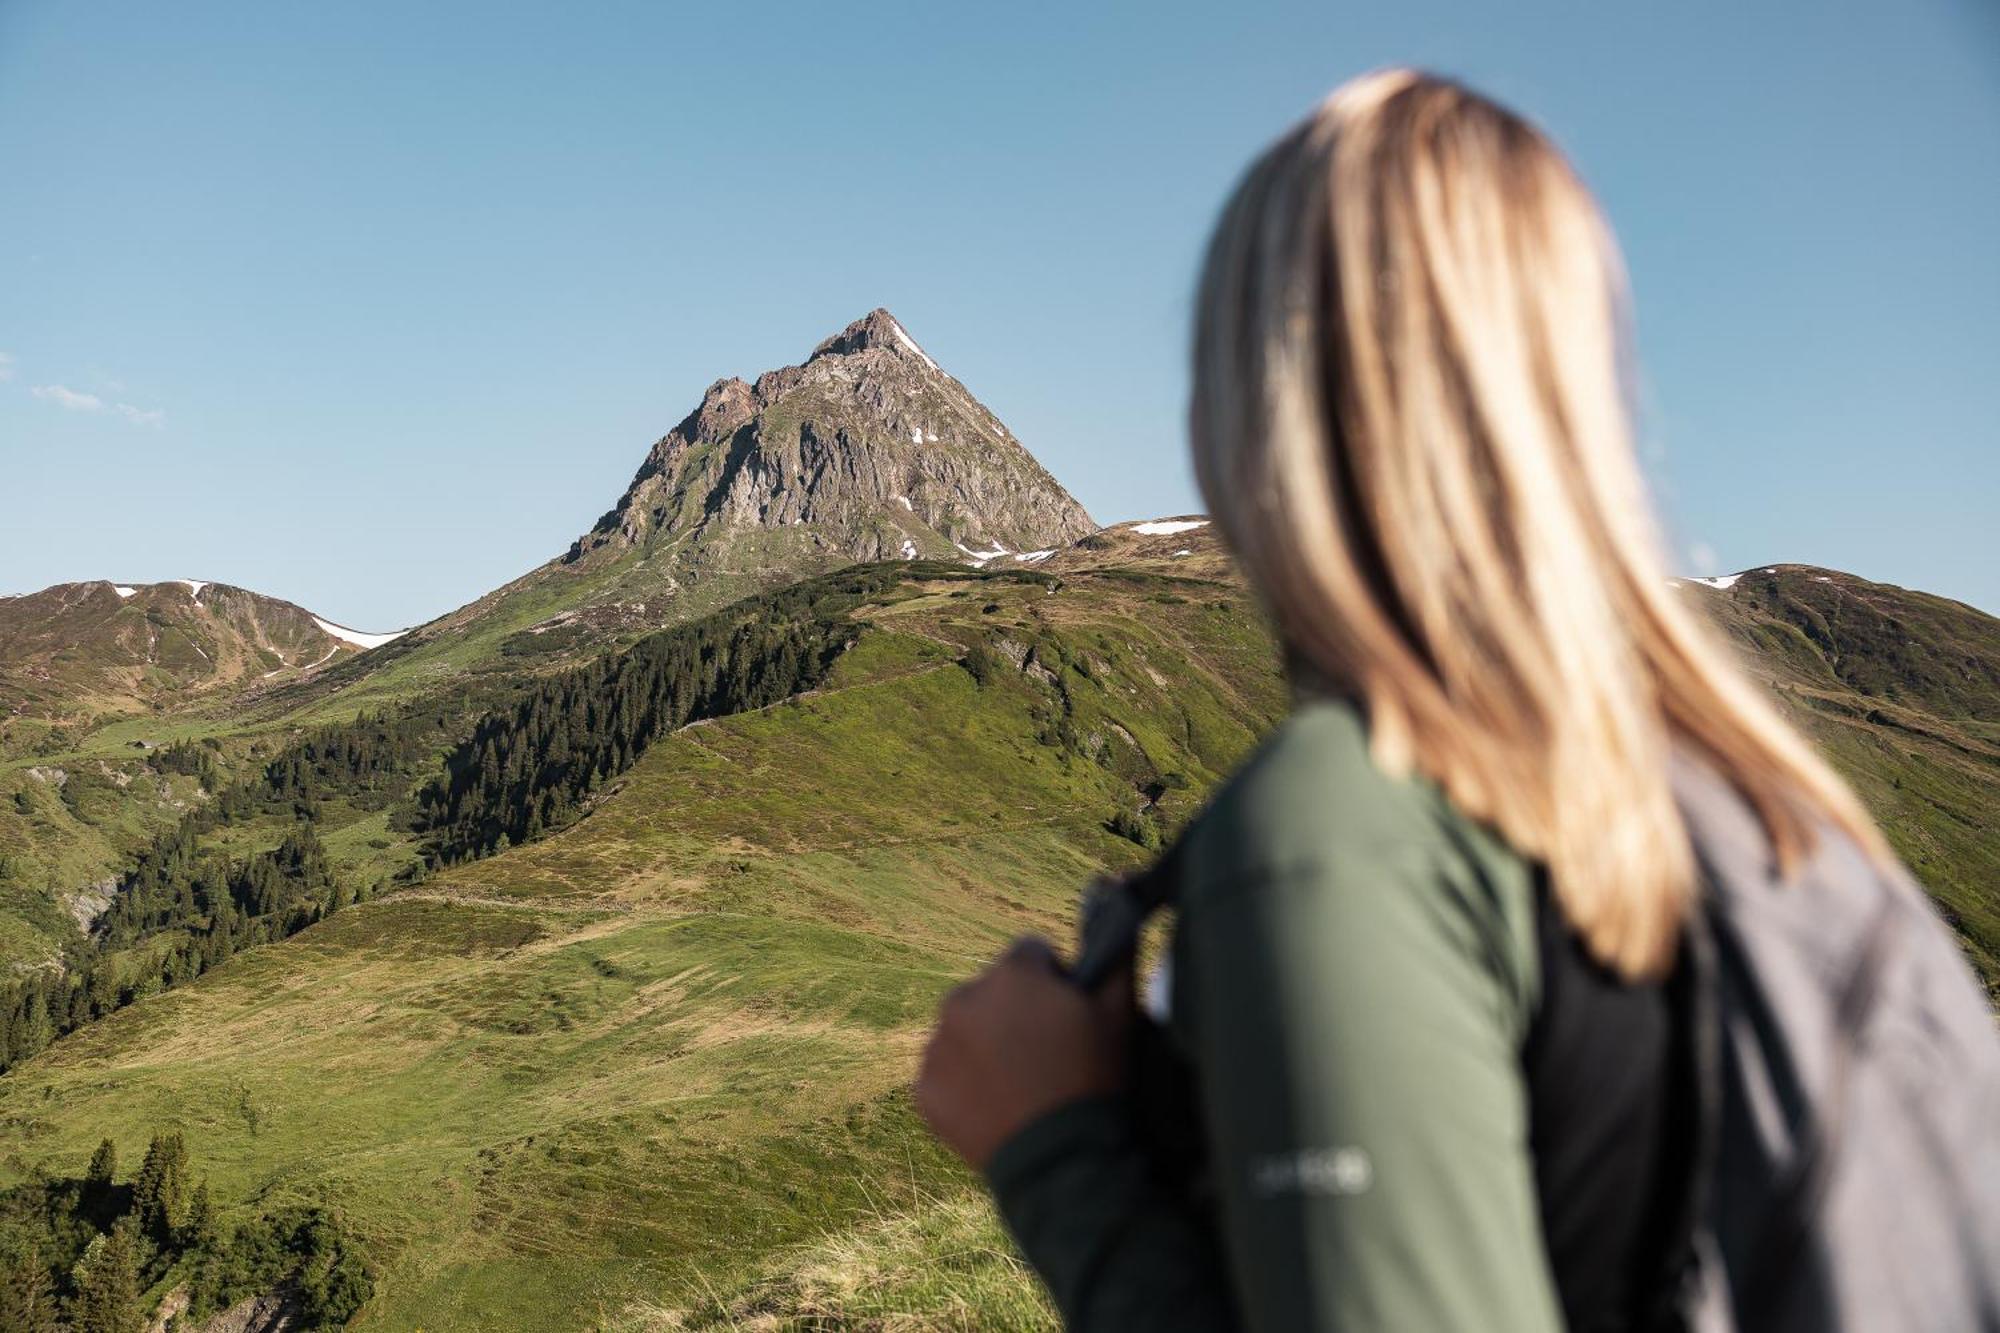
pixel 375 306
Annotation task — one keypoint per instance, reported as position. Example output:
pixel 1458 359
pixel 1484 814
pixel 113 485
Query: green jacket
pixel 1353 970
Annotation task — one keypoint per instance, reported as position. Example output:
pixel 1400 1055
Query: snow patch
pixel 911 344
pixel 1822 579
pixel 1030 557
pixel 194 587
pixel 904 501
pixel 355 636
pixel 930 437
pixel 1180 553
pixel 1718 581
pixel 916 435
pixel 1167 527
pixel 122 590
pixel 909 549
pixel 981 557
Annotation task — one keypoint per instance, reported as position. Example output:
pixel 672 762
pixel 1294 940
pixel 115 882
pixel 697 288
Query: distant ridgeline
pixel 519 772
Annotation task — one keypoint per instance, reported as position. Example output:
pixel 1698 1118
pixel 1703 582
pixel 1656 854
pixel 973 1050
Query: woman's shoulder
pixel 1311 809
pixel 1313 790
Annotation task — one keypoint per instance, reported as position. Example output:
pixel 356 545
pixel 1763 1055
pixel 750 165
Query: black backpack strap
pixel 1694 990
pixel 1163 1082
pixel 1115 910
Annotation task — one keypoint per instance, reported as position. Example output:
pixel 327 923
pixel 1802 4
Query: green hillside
pixel 96 679
pixel 629 1067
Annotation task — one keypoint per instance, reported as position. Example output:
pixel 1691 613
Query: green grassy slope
pixel 68 825
pixel 640 1063
pixel 78 800
pixel 1901 690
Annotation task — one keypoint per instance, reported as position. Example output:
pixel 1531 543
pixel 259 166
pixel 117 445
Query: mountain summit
pixel 867 450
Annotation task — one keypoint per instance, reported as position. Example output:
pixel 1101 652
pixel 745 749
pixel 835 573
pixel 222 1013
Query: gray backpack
pixel 1851 1089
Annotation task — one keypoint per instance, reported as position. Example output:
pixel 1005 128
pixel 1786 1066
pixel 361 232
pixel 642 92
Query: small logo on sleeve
pixel 1345 1170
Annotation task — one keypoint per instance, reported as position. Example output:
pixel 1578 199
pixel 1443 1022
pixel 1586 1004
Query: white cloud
pixel 6 366
pixel 69 398
pixel 77 401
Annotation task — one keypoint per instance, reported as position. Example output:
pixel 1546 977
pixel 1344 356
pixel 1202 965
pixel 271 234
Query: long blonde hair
pixel 1410 421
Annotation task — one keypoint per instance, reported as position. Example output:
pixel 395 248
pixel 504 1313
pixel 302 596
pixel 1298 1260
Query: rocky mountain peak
pixel 866 450
pixel 876 329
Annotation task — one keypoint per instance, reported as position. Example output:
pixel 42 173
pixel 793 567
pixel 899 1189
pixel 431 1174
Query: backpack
pixel 1847 1144
pixel 1850 1079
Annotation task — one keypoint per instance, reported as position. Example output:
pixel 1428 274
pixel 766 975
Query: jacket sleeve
pixel 1356 1031
pixel 1117 1251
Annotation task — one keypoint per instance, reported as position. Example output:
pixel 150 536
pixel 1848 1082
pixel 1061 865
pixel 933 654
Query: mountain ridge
pixel 100 643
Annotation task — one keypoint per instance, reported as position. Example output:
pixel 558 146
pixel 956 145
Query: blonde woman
pixel 1429 970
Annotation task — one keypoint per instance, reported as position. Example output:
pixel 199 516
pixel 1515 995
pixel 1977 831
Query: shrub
pixel 1136 828
pixel 303 1245
pixel 982 663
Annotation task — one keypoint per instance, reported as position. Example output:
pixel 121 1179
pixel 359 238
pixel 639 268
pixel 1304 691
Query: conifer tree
pixel 159 1191
pixel 27 1298
pixel 197 1234
pixel 107 1284
pixel 103 1166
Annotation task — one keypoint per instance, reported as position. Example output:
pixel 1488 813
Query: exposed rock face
pixel 867 451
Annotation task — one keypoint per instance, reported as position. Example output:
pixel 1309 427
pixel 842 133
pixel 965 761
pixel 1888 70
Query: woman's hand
pixel 1015 1042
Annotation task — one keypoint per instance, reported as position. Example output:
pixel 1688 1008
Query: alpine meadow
pixel 562 963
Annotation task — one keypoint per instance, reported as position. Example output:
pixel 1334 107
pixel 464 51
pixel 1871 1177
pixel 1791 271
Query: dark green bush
pixel 983 664
pixel 1136 828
